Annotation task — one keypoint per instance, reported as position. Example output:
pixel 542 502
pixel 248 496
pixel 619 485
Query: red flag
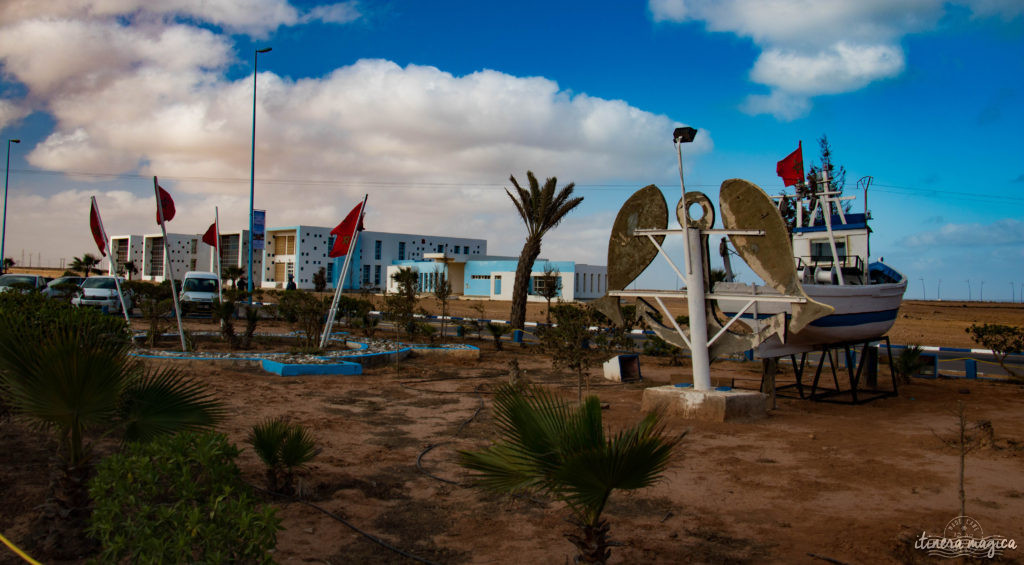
pixel 346 230
pixel 167 203
pixel 791 169
pixel 210 237
pixel 97 228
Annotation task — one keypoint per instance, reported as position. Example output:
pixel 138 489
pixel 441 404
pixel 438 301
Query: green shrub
pixel 1003 340
pixel 179 499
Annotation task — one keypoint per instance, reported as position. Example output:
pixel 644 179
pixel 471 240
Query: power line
pixel 406 185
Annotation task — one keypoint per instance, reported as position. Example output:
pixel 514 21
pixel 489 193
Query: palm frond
pixel 163 401
pixel 266 438
pixel 547 445
pixel 298 447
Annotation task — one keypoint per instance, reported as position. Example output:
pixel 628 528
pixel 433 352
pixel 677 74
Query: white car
pixel 28 282
pixel 63 287
pixel 101 292
pixel 198 290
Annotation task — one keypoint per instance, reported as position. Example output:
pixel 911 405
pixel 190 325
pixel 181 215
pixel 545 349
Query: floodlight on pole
pixel 252 160
pixel 3 231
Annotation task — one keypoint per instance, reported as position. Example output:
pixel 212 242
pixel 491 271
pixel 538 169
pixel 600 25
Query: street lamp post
pixel 981 293
pixel 923 289
pixel 938 291
pixel 3 233
pixel 252 159
pixel 968 290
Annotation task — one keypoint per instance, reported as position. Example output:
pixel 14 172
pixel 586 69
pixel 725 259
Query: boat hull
pixel 862 313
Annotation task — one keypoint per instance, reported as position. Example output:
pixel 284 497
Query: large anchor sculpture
pixel 757 232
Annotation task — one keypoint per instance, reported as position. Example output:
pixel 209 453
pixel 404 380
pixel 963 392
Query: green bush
pixel 179 499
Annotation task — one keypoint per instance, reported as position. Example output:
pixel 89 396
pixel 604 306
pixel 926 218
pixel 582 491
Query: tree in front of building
pixel 320 280
pixel 402 305
pixel 443 293
pixel 541 210
pixel 232 273
pixel 550 285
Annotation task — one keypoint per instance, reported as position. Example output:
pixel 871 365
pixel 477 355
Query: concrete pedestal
pixel 708 405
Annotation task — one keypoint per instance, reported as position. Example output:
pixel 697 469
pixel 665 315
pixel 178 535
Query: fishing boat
pixel 831 248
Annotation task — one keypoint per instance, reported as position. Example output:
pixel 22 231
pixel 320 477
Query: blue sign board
pixel 259 228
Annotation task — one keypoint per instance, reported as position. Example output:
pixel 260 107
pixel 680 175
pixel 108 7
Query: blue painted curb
pixel 297 369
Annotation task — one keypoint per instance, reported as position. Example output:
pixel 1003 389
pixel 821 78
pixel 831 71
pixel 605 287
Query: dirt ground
pixel 812 483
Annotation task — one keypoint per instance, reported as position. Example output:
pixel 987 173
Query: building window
pixel 440 248
pixel 577 282
pixel 366 274
pixel 376 275
pixel 480 277
pixel 401 251
pixel 497 284
pixel 376 249
pixel 330 272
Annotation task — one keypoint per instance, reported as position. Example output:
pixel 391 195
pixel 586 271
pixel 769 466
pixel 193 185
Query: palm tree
pixel 130 268
pixel 8 263
pixel 74 377
pixel 86 264
pixel 497 330
pixel 283 448
pixel 541 210
pixel 545 445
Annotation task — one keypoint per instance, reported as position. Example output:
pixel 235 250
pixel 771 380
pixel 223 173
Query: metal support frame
pixel 856 393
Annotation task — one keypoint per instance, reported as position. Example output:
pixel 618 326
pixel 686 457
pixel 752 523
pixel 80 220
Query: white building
pixel 494 277
pixel 301 251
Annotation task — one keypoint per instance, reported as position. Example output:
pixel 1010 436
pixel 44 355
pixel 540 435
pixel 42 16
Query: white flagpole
pixel 113 263
pixel 329 326
pixel 167 264
pixel 216 249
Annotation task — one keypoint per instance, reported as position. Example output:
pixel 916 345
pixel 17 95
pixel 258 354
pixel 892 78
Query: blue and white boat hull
pixel 862 313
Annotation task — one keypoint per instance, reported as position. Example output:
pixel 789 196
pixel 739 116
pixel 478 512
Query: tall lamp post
pixel 252 158
pixel 3 233
pixel 924 291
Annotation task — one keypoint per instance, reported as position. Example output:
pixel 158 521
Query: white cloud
pixel 341 13
pixel 10 113
pixel 1002 232
pixel 427 145
pixel 813 48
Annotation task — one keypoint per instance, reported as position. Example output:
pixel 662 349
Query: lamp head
pixel 14 140
pixel 683 135
pixel 264 50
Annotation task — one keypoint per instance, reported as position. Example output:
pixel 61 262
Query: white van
pixel 198 290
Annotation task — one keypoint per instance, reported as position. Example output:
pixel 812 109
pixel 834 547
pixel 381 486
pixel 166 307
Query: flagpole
pixel 113 263
pixel 341 280
pixel 216 250
pixel 167 264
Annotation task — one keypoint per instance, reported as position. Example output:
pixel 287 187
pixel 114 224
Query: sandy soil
pixel 854 484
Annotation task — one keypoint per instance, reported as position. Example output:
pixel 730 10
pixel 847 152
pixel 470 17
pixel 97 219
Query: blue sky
pixel 430 106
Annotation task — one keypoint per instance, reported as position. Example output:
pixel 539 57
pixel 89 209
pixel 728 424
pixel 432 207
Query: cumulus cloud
pixel 256 17
pixel 1002 232
pixel 427 145
pixel 818 48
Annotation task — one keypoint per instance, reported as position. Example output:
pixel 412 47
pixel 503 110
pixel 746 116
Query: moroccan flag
pixel 346 230
pixel 791 169
pixel 98 235
pixel 210 237
pixel 167 203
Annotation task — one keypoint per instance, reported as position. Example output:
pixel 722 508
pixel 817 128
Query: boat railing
pixel 819 269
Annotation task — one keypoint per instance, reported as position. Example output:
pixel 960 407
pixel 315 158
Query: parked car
pixel 101 292
pixel 198 290
pixel 63 287
pixel 25 282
